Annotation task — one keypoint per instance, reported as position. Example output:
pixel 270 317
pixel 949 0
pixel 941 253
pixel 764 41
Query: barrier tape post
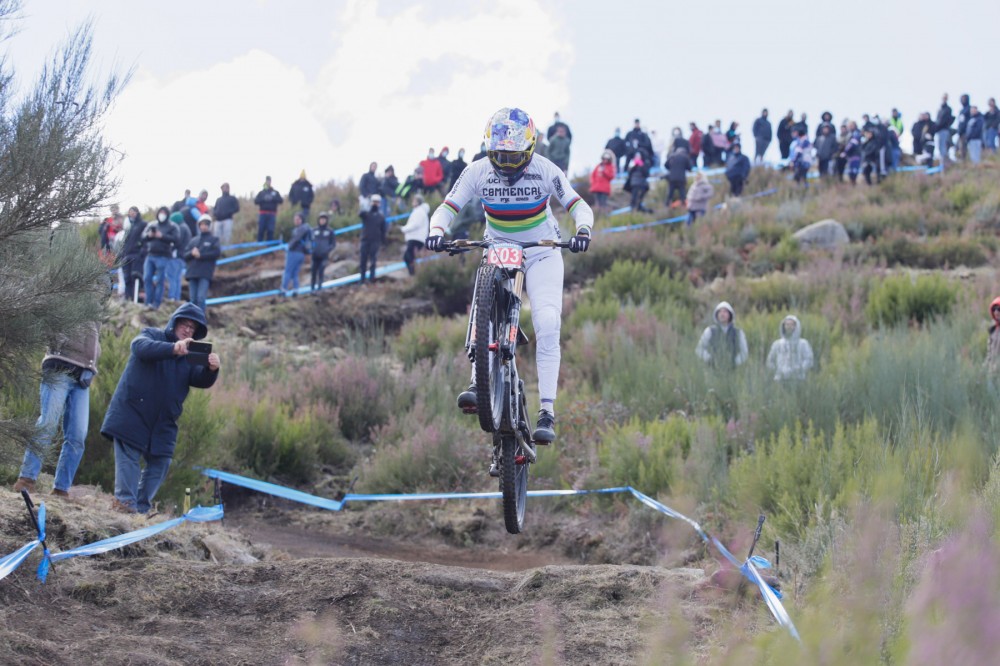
pixel 39 523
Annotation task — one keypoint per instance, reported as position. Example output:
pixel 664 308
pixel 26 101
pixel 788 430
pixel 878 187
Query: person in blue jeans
pixel 176 267
pixel 295 255
pixel 159 239
pixel 142 417
pixel 202 253
pixel 67 370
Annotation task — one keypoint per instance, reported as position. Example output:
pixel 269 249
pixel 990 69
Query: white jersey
pixel 519 212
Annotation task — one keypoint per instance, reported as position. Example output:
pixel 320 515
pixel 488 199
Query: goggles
pixel 508 160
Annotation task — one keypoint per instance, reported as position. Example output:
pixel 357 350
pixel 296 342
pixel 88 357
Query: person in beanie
pixel 302 194
pixel 68 368
pixel 324 240
pixel 415 231
pixel 790 357
pixel 267 201
pixel 202 253
pixel 175 269
pixel 142 416
pixel 677 166
pixel 372 237
pixel 226 206
pixel 722 345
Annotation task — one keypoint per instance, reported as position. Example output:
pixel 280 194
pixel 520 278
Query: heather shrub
pixel 900 299
pixel 448 282
pixel 355 387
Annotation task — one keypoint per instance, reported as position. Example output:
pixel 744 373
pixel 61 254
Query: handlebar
pixel 462 245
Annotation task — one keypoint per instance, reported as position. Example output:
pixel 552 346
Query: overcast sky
pixel 239 89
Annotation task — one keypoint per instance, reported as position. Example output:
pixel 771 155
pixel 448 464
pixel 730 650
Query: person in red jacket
pixel 600 180
pixel 433 173
pixel 695 141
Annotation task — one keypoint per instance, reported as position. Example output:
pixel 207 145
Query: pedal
pixel 470 410
pixel 520 459
pixel 494 471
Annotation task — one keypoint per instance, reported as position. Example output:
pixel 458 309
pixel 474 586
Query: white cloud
pixel 393 85
pixel 237 121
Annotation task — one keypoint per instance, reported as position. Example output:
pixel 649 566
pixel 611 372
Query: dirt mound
pixel 354 611
pixel 203 594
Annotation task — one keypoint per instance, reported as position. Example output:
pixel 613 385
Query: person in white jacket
pixel 790 357
pixel 415 230
pixel 722 345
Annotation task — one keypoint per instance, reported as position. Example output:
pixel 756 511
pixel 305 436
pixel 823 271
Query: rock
pixel 247 331
pixel 226 551
pixel 825 234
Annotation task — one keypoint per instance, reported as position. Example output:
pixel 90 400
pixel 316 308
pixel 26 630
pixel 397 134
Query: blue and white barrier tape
pixel 245 246
pixel 11 562
pixel 748 569
pixel 672 220
pixel 247 255
pixel 329 284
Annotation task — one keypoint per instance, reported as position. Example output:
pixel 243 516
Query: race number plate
pixel 505 255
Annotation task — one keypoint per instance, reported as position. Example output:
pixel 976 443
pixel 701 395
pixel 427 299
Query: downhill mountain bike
pixel 491 341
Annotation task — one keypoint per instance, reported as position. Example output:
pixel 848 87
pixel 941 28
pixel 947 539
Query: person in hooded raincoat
pixel 142 416
pixel 723 345
pixel 790 357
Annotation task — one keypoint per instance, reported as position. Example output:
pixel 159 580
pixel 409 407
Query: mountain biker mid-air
pixel 514 186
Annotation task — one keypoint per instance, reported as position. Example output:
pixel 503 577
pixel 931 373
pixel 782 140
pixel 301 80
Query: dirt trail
pixel 302 543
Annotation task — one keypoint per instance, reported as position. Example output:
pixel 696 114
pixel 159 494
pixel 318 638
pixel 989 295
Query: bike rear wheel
pixel 489 378
pixel 513 482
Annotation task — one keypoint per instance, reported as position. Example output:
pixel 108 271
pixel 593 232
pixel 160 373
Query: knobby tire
pixel 513 483
pixel 489 379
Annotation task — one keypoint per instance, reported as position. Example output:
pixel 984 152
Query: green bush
pixel 900 299
pixel 646 455
pixel 424 337
pixel 447 282
pixel 630 281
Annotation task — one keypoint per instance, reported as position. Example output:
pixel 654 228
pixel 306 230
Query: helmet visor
pixel 509 161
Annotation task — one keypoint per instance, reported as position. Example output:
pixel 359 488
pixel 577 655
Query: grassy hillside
pixel 879 474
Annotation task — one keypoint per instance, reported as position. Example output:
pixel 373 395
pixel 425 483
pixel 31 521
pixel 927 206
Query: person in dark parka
pixel 201 254
pixel 142 417
pixel 677 166
pixel 372 238
pixel 737 170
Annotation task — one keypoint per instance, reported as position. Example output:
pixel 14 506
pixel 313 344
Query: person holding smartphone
pixel 142 417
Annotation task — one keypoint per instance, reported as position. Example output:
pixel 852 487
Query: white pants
pixel 543 281
pixel 224 231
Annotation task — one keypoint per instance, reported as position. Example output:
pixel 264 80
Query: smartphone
pixel 198 352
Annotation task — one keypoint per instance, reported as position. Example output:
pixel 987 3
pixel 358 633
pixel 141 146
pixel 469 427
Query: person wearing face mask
pixel 131 252
pixel 142 416
pixel 457 167
pixel 433 173
pixel 160 239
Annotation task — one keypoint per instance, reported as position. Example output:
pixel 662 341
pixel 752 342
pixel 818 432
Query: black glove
pixel 435 243
pixel 580 242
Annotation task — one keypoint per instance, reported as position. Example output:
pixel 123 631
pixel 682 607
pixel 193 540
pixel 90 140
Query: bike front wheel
pixel 489 377
pixel 513 482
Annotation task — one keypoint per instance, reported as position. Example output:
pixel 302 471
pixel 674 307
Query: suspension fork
pixel 514 311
